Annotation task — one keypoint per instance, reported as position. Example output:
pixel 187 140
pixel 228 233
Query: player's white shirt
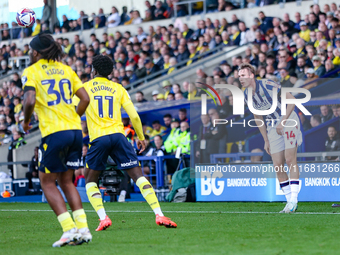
pixel 263 97
pixel 262 100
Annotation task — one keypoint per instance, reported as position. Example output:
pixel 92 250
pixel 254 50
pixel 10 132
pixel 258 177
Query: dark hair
pixel 103 65
pixel 18 98
pixel 54 51
pixel 140 92
pixel 147 137
pixel 127 79
pixel 83 76
pixel 317 117
pixel 183 110
pixel 168 115
pixel 158 136
pixel 156 122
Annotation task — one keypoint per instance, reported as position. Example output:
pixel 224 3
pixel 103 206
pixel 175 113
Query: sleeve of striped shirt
pixel 270 84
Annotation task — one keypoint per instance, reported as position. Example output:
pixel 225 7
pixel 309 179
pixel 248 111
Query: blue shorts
pixel 60 151
pixel 114 145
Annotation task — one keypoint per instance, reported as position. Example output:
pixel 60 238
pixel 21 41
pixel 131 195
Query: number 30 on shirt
pixel 61 94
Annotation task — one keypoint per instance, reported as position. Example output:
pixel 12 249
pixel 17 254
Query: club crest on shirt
pixel 44 66
pixel 273 84
pixel 23 80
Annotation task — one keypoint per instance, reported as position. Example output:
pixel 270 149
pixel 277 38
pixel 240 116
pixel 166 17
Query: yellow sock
pixel 96 201
pixel 149 195
pixel 79 217
pixel 66 221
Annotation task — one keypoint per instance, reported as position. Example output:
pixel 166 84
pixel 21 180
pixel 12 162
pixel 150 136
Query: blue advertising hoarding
pixel 323 184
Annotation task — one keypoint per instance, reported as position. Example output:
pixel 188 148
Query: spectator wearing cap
pixel 319 68
pixel 160 97
pixel 311 76
pixel 167 87
pixel 305 31
pixel 129 73
pixel 293 49
pixel 154 95
pixel 287 81
pixel 140 97
pixel 205 48
pixel 151 68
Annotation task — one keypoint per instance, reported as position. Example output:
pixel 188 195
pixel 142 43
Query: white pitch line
pixel 195 212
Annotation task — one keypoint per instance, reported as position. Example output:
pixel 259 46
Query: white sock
pixel 123 193
pixel 158 211
pixel 294 187
pixel 101 213
pixel 286 189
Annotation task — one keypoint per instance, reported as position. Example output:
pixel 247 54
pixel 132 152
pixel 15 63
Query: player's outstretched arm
pixel 84 101
pixel 29 103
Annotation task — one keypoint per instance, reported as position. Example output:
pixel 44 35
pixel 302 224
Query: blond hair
pixel 247 66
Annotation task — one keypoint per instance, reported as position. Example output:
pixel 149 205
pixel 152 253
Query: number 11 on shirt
pixel 100 105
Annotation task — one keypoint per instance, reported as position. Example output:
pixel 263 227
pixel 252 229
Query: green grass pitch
pixel 203 228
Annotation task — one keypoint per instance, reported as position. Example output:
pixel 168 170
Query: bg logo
pixel 210 184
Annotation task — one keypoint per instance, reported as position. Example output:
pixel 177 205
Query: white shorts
pixel 291 138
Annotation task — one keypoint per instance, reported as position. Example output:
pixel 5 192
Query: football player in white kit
pixel 281 142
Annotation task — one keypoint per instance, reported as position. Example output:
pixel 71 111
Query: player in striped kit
pixel 281 142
